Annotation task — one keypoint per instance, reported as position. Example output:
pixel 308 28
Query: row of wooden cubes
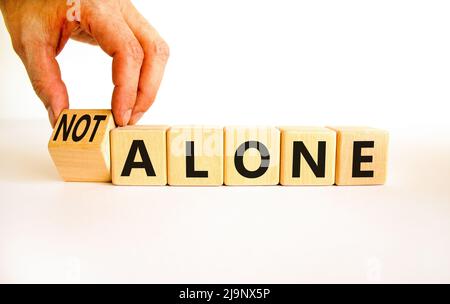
pixel 86 146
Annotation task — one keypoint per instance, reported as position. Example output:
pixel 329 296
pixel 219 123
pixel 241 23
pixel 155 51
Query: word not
pixel 86 146
pixel 80 146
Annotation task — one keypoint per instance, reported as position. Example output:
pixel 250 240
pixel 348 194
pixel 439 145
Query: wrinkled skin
pixel 40 29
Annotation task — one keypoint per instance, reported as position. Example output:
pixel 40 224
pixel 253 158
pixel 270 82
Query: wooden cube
pixel 307 156
pixel 252 156
pixel 79 145
pixel 138 156
pixel 195 156
pixel 361 157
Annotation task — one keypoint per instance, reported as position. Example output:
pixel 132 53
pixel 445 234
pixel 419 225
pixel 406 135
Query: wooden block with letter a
pixel 138 156
pixel 252 156
pixel 79 145
pixel 307 156
pixel 361 157
pixel 195 156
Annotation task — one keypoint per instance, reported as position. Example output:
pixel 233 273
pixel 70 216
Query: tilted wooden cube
pixel 79 145
pixel 138 156
pixel 307 156
pixel 195 156
pixel 252 156
pixel 361 156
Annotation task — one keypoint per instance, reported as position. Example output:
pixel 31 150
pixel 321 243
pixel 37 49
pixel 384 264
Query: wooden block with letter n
pixel 361 157
pixel 307 156
pixel 79 145
pixel 138 156
pixel 195 156
pixel 252 156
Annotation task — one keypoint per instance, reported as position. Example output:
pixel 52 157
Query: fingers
pixel 45 76
pixel 80 35
pixel 116 38
pixel 156 54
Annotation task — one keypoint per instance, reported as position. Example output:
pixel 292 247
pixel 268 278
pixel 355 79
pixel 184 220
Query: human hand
pixel 40 29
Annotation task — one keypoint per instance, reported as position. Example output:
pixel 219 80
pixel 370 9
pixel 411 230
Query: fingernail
pixel 51 116
pixel 126 117
pixel 136 117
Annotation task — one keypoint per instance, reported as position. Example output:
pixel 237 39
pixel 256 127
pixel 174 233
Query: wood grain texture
pixel 151 142
pixel 79 145
pixel 321 146
pixel 195 156
pixel 261 167
pixel 368 168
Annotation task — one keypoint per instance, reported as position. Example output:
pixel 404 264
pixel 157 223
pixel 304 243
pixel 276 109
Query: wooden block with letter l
pixel 195 156
pixel 138 156
pixel 307 156
pixel 361 157
pixel 252 156
pixel 79 145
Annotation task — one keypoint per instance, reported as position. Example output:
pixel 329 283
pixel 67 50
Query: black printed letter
pixel 98 119
pixel 239 159
pixel 130 164
pixel 66 129
pixel 300 149
pixel 190 163
pixel 86 118
pixel 358 158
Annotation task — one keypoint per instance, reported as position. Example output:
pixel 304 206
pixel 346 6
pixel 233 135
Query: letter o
pixel 239 159
pixel 77 138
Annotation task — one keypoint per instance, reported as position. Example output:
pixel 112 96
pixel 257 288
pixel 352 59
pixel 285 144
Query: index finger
pixel 116 38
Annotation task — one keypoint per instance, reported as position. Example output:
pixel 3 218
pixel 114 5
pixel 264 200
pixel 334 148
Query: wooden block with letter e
pixel 361 157
pixel 195 156
pixel 79 145
pixel 307 156
pixel 138 156
pixel 252 156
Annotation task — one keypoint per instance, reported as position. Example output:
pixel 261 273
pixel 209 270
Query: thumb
pixel 45 76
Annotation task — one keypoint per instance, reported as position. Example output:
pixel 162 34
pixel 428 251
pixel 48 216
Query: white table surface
pixel 51 231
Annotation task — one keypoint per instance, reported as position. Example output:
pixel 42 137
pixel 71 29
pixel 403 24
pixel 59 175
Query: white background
pixel 383 63
pixel 379 63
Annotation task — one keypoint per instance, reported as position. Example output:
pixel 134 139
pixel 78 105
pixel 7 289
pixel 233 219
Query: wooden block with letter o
pixel 252 156
pixel 138 156
pixel 79 145
pixel 195 156
pixel 361 157
pixel 307 156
